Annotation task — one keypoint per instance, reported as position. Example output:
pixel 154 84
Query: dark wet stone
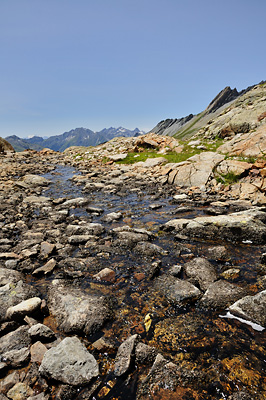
pixel 201 271
pixel 221 294
pixel 145 353
pixel 149 249
pixel 177 290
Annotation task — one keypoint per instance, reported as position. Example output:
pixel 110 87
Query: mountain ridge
pixel 74 137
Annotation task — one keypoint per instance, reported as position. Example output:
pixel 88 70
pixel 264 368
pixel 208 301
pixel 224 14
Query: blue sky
pixel 101 63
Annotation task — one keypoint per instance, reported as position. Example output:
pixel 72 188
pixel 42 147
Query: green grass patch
pixel 228 179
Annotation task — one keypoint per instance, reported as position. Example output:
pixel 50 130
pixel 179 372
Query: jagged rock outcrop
pixel 225 96
pixel 5 146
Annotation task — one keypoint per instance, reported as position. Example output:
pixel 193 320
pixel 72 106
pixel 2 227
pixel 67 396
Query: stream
pixel 225 355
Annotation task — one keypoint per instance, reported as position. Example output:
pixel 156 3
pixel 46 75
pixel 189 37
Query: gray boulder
pixel 201 272
pixel 76 311
pixel 252 308
pixel 70 363
pixel 177 290
pixel 221 294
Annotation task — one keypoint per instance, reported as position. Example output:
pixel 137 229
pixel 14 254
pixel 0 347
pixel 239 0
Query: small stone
pixel 37 352
pixel 106 274
pixel 40 331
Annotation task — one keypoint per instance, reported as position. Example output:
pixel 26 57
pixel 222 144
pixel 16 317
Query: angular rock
pixel 221 294
pixel 124 355
pixel 177 290
pixel 45 269
pixel 149 249
pixel 20 391
pixel 201 271
pixel 8 382
pixel 77 311
pixel 40 331
pixel 251 308
pixel 161 380
pixel 70 363
pixel 37 352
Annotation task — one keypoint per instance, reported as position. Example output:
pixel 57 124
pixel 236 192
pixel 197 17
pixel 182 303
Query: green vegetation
pixel 228 179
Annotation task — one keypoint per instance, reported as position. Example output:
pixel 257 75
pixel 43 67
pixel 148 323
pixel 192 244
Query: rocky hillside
pixel 184 128
pixel 75 137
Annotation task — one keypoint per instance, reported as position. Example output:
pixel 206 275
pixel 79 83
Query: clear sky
pixel 101 63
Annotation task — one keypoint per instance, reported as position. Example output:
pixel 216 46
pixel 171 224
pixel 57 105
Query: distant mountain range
pixel 75 137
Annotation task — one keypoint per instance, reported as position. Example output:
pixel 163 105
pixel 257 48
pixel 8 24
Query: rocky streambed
pixel 115 284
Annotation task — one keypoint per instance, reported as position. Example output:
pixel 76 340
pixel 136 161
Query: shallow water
pixel 230 355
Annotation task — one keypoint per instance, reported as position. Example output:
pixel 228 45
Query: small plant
pixel 228 179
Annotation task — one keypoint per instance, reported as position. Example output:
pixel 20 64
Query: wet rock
pixel 218 253
pixel 20 391
pixel 145 353
pixel 111 217
pixel 231 273
pixel 45 269
pixel 149 249
pixel 103 345
pixel 201 272
pixel 70 363
pixel 124 355
pixel 252 308
pixel 175 270
pixel 161 380
pixel 221 294
pixel 76 311
pixel 177 290
pixel 105 274
pixel 41 332
pixel 242 395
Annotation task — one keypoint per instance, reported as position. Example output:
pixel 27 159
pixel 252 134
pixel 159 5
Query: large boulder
pixel 76 311
pixel 243 225
pixel 70 363
pixel 201 272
